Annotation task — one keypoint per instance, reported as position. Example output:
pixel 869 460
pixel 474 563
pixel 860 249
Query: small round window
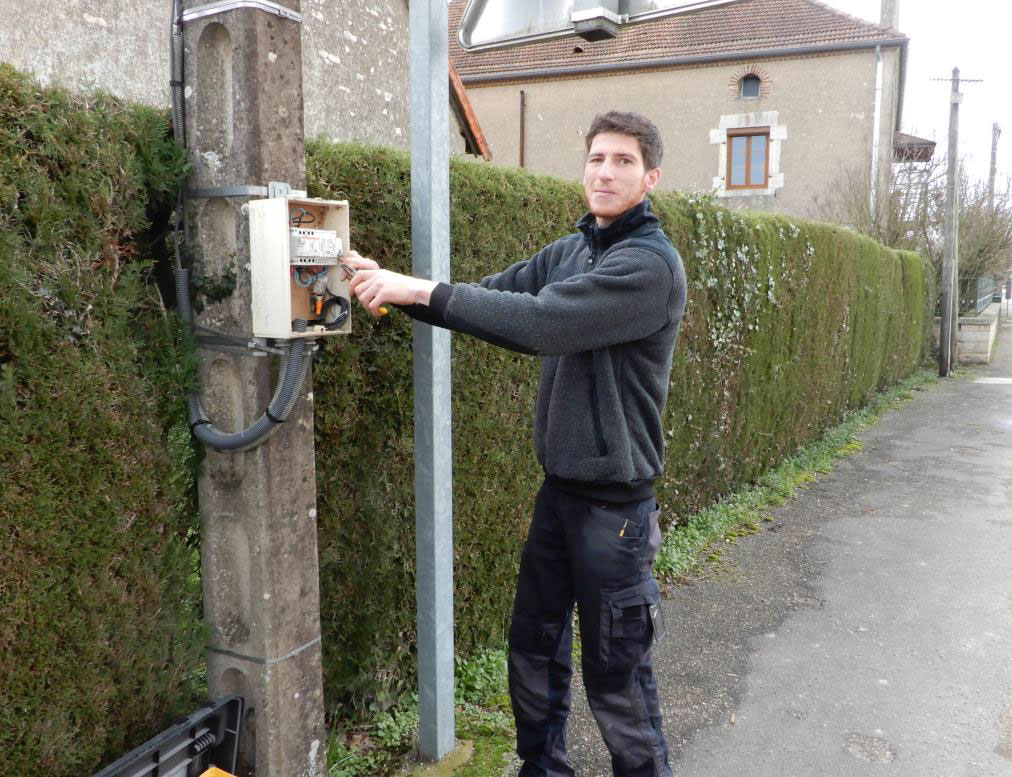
pixel 750 86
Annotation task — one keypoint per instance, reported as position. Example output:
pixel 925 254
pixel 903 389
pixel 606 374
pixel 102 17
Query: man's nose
pixel 607 171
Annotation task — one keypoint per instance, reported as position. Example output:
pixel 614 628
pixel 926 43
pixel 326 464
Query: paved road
pixel 868 629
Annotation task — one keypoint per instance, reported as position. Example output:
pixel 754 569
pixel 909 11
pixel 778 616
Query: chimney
pixel 891 14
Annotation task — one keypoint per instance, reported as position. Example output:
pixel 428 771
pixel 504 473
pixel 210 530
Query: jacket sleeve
pixel 525 277
pixel 626 297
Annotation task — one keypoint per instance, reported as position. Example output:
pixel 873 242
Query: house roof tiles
pixel 740 26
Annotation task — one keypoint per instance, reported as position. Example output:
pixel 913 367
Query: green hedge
pixel 99 639
pixel 789 325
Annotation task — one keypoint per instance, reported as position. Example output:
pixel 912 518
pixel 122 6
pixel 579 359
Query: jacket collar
pixel 604 238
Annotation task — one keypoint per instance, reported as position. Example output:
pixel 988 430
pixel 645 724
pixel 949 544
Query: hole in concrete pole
pixel 214 90
pixel 248 749
pixel 233 681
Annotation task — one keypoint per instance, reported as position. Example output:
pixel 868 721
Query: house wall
pixel 824 105
pixel 354 55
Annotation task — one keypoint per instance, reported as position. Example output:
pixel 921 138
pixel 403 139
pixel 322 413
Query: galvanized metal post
pixel 430 240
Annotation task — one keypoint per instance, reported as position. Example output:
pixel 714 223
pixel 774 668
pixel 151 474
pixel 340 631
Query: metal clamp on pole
pixel 272 189
pixel 228 191
pixel 231 5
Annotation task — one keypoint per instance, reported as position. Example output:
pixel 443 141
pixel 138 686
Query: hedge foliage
pixel 99 634
pixel 789 326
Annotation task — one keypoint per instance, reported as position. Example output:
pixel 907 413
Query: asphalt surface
pixel 868 629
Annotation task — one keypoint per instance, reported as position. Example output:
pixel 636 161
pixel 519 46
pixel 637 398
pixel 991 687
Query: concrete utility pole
pixel 430 247
pixel 948 320
pixel 948 336
pixel 995 134
pixel 243 68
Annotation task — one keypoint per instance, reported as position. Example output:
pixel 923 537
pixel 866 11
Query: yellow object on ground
pixel 214 771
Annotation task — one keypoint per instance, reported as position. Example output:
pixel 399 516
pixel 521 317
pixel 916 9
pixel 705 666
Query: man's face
pixel 615 177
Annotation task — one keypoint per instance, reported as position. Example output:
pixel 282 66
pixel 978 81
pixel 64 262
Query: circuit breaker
pixel 297 250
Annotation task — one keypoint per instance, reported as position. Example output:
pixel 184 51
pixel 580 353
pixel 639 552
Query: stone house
pixel 764 103
pixel 354 60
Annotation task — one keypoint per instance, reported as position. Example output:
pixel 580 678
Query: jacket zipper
pixel 602 447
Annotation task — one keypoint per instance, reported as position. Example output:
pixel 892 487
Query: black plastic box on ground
pixel 209 737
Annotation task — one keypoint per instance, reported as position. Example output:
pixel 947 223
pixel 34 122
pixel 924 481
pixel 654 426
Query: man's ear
pixel 652 177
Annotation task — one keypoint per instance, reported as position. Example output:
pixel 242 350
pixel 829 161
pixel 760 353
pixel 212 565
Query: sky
pixel 972 35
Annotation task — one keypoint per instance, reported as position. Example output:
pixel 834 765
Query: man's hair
pixel 634 125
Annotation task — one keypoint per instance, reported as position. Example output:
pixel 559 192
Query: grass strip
pixel 483 712
pixel 739 513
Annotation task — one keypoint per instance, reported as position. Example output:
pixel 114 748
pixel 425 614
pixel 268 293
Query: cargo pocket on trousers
pixel 626 625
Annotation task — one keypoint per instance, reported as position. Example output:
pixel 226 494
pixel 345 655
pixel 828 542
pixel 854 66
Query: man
pixel 602 308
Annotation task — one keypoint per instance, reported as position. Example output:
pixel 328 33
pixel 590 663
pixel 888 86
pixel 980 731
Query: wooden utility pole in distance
pixel 244 126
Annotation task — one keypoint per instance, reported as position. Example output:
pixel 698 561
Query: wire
pixel 178 115
pixel 302 282
pixel 303 217
pixel 294 366
pixel 344 310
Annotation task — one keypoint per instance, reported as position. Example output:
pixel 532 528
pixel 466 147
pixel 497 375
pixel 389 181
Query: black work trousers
pixel 598 555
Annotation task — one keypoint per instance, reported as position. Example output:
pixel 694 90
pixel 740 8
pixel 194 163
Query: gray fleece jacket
pixel 602 308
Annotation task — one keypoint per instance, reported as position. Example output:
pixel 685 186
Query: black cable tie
pixel 177 83
pixel 199 422
pixel 271 418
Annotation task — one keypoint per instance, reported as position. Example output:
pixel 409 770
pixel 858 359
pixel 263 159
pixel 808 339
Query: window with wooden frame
pixel 748 158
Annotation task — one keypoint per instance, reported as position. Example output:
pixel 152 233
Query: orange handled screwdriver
pixel 383 309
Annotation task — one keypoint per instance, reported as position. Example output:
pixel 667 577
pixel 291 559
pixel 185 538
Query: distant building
pixel 354 61
pixel 764 103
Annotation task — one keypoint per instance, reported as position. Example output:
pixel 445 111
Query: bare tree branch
pixel 911 213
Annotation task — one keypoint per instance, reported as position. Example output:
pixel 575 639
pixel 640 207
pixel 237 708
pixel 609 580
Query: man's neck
pixel 604 222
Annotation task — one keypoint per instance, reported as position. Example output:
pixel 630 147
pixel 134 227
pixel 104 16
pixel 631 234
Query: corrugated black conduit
pixel 294 366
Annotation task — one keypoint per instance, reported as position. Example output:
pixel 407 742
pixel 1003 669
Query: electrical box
pixel 297 247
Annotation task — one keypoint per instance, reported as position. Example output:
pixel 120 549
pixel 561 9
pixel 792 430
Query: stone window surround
pixel 778 134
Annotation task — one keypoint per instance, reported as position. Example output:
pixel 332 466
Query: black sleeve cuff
pixel 439 300
pixel 435 312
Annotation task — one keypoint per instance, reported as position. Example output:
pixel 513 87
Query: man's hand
pixel 374 286
pixel 358 262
